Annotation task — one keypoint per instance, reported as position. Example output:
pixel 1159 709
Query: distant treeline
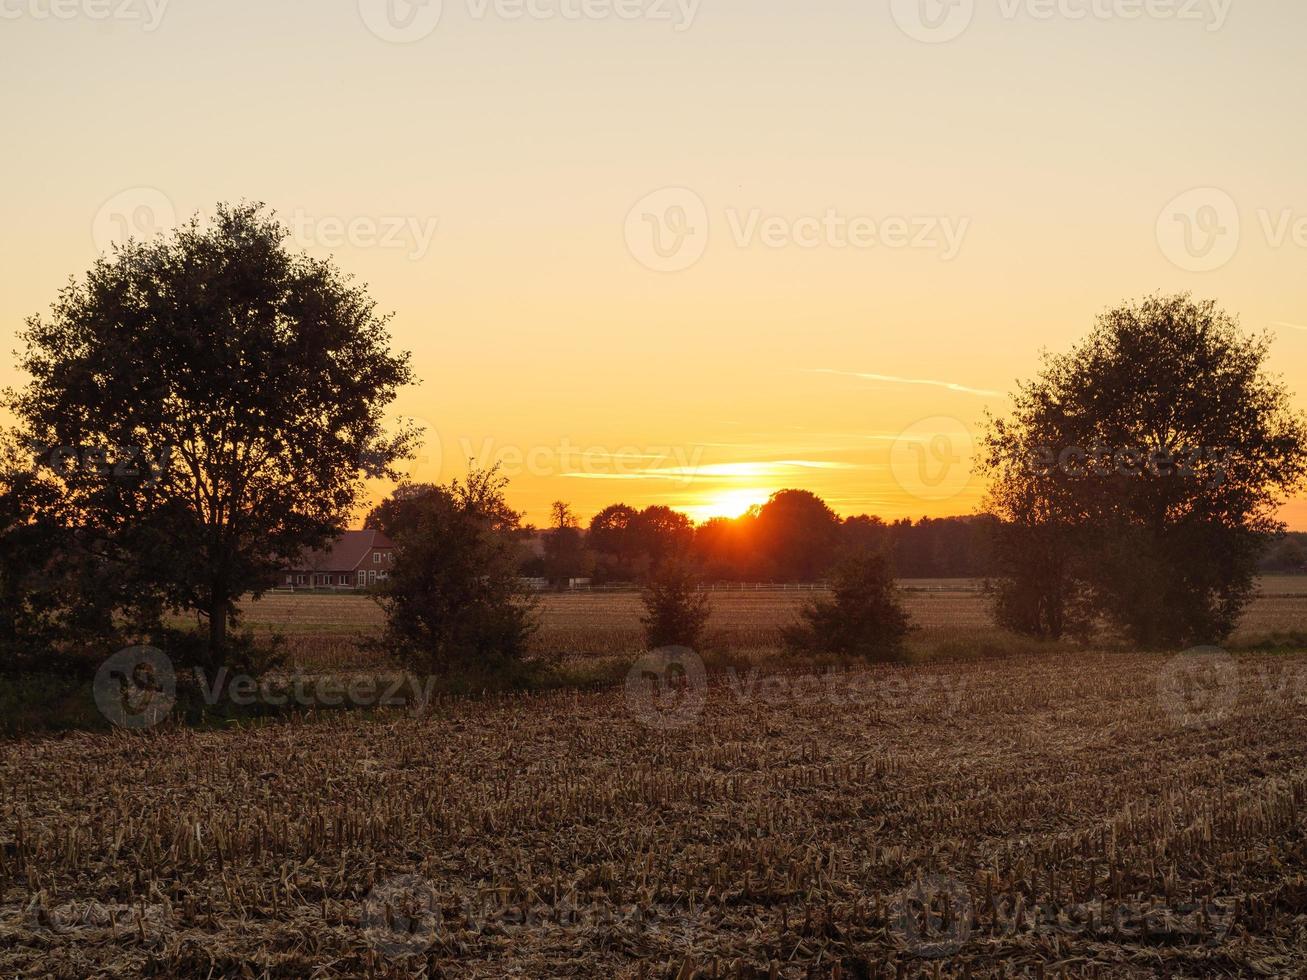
pixel 1288 554
pixel 794 537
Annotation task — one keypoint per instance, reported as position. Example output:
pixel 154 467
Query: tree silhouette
pixel 244 384
pixel 1155 454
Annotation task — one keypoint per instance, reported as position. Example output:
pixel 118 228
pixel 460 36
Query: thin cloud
pixel 773 469
pixel 1291 326
pixel 891 379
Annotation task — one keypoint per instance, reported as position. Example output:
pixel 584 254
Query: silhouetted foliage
pixel 244 386
pixel 863 618
pixel 566 557
pixel 1158 450
pixel 797 535
pixel 612 539
pixel 676 608
pixel 454 601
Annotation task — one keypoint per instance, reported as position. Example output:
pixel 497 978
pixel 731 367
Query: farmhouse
pixel 355 560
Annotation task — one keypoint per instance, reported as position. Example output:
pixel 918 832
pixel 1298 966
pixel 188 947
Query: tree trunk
pixel 217 631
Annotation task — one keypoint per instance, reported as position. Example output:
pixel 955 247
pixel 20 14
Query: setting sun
pixel 732 503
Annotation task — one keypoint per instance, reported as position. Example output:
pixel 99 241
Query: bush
pixel 676 608
pixel 864 618
pixel 455 602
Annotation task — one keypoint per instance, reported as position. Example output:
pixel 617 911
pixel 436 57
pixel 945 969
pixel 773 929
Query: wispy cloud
pixel 726 471
pixel 1291 326
pixel 891 379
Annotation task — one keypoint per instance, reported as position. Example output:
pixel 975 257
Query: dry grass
pixel 1043 804
pixel 328 631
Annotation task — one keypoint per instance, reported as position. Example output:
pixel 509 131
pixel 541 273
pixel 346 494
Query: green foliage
pixel 454 601
pixel 245 385
pixel 864 618
pixel 1144 470
pixel 676 607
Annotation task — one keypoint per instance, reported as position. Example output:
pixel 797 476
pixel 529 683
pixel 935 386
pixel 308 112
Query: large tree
pixel 1148 464
pixel 236 390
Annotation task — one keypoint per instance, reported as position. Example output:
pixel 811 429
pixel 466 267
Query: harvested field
pixel 327 631
pixel 1106 815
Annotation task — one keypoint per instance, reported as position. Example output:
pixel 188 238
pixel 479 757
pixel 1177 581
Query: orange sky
pixel 697 258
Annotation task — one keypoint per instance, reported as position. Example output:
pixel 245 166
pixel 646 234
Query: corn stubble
pixel 941 833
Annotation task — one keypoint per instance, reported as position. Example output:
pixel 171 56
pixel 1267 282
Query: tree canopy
pixel 209 403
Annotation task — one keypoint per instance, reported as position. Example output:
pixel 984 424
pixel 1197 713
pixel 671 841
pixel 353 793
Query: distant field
pixel 325 630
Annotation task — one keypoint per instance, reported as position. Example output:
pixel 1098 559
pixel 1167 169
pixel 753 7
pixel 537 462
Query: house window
pixel 344 580
pixel 290 579
pixel 363 577
pixel 299 580
pixel 372 574
pixel 376 557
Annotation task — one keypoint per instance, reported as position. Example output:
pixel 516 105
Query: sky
pixel 690 252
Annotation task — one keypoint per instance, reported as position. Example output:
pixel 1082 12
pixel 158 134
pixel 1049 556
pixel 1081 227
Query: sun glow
pixel 729 503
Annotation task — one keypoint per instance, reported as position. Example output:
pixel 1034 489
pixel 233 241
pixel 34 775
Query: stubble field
pixel 1104 815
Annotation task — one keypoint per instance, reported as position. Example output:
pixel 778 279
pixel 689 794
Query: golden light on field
pixel 730 503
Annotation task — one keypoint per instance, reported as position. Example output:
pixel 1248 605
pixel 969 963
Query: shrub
pixel 864 618
pixel 676 608
pixel 455 602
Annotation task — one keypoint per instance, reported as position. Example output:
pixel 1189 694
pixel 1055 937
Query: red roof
pixel 345 554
